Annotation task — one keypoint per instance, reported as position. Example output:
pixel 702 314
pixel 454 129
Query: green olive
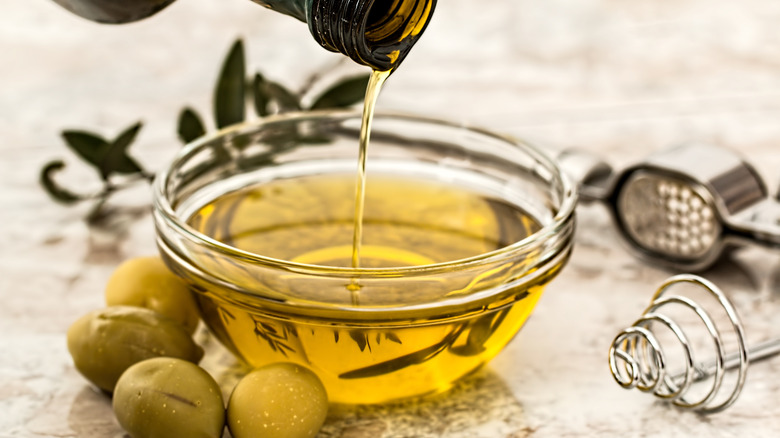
pixel 281 400
pixel 147 282
pixel 105 342
pixel 166 397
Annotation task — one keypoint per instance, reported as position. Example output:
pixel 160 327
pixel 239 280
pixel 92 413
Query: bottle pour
pixel 376 33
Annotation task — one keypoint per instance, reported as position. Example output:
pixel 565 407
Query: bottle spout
pixel 376 33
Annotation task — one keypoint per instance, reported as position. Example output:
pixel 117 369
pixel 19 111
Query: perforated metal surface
pixel 668 216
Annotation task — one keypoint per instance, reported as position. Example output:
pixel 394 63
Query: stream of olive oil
pixel 372 94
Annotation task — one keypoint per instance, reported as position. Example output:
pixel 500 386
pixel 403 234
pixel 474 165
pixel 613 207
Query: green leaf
pixel 261 96
pixel 480 332
pixel 52 188
pixel 229 103
pixel 343 94
pixel 266 92
pixel 271 336
pixel 401 362
pixel 361 339
pixel 392 337
pixel 116 159
pixel 284 98
pixel 90 147
pixel 190 126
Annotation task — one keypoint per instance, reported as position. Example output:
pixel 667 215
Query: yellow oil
pixel 348 220
pixel 373 89
pixel 407 221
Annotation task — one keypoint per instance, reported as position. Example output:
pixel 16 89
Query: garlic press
pixel 682 207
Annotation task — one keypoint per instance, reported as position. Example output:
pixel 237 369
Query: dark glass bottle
pixel 377 33
pixel 114 11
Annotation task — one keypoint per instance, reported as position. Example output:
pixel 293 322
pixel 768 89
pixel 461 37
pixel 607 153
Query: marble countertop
pixel 619 79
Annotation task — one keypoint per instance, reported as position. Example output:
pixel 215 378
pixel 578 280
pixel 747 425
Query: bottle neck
pixel 376 33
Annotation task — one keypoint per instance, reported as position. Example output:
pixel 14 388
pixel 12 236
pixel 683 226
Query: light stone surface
pixel 621 79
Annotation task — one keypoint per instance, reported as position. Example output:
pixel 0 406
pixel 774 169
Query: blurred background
pixel 620 79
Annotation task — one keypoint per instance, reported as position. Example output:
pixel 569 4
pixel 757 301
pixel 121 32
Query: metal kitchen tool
pixel 638 359
pixel 682 207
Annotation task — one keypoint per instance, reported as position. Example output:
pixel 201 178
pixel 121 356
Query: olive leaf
pixel 276 341
pixel 361 339
pixel 115 159
pixel 285 99
pixel 390 336
pixel 479 333
pixel 90 147
pixel 190 125
pixel 229 105
pixel 343 94
pixel 268 93
pixel 229 95
pixel 106 157
pixel 401 362
pixel 261 98
pixel 52 188
pixel 225 315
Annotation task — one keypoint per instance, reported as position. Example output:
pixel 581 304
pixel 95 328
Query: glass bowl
pixel 463 229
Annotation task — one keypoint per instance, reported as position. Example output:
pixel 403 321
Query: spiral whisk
pixel 637 357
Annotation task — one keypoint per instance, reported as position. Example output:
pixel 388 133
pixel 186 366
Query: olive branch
pixel 234 93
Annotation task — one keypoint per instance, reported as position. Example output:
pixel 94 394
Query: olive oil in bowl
pixel 461 231
pixel 407 222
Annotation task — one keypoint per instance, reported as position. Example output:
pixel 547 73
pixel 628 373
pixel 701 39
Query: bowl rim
pixel 562 218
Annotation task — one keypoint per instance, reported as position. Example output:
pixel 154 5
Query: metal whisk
pixel 637 358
